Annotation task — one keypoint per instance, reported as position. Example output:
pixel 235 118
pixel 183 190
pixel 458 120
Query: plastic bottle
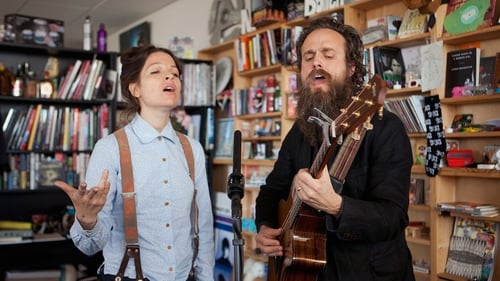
pixel 101 38
pixel 87 34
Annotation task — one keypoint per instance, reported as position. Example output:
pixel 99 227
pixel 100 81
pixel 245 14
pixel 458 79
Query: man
pixel 366 218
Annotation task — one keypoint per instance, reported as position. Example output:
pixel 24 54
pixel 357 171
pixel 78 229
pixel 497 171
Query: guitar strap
pixel 132 249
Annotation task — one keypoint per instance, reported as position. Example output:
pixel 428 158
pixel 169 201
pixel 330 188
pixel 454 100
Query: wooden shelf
pixel 370 4
pixel 403 92
pixel 260 115
pixel 469 172
pixel 487 134
pixel 263 138
pixel 462 215
pixel 258 162
pixel 419 240
pixel 415 40
pixel 215 49
pixel 253 162
pixel 471 99
pixel 261 71
pixel 484 34
pixel 421 275
pixel 419 207
pixel 222 161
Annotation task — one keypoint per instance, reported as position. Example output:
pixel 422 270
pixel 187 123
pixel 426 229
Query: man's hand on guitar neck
pixel 267 241
pixel 318 193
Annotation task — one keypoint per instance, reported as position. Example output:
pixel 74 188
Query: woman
pixel 151 84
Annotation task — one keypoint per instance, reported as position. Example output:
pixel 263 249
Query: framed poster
pixel 224 137
pixel 136 36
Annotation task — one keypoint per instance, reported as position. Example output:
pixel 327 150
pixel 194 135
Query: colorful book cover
pixel 414 23
pixel 472 249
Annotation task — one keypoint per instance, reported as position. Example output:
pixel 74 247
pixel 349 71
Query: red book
pixel 81 81
pixel 76 130
pixel 29 125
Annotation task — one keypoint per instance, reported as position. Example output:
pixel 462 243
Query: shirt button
pixel 169 247
pixel 167 203
pixel 167 225
pixel 170 269
pixel 164 159
pixel 165 181
pixel 159 138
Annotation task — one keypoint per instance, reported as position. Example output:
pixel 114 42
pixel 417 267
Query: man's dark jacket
pixel 366 242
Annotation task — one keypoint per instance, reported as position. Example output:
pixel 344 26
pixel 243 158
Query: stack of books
pixel 469 208
pixel 14 231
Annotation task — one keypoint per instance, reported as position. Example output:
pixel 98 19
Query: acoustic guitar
pixel 304 232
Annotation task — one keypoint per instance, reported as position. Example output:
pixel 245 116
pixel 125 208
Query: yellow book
pixel 6 224
pixel 67 129
pixel 35 127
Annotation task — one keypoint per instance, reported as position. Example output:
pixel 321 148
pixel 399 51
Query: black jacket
pixel 367 241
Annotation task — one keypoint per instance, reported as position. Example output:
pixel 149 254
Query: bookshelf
pixel 451 184
pixel 25 198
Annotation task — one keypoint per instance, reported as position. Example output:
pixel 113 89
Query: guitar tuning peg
pixel 380 113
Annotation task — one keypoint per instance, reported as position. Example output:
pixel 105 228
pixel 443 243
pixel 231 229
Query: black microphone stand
pixel 235 187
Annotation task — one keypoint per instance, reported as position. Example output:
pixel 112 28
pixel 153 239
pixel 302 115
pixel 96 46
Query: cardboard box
pixel 34 30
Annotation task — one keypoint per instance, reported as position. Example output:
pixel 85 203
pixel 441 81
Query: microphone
pixel 236 180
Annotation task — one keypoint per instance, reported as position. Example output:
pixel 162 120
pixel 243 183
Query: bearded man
pixel 366 214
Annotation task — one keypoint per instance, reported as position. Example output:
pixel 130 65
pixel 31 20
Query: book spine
pixel 34 129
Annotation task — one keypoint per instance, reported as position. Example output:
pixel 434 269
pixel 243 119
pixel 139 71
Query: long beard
pixel 330 102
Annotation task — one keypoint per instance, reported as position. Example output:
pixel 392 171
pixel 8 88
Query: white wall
pixel 181 18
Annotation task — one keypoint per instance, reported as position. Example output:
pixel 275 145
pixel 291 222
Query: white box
pixel 309 7
pixel 391 22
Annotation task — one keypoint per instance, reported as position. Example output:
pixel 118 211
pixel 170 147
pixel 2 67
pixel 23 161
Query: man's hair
pixel 353 46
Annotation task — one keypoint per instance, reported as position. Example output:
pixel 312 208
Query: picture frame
pixel 224 137
pixel 136 36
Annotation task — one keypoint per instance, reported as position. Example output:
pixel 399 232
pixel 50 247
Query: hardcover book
pixel 486 71
pixel 462 72
pixel 413 23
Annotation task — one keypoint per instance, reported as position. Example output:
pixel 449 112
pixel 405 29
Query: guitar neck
pixel 347 152
pixel 320 161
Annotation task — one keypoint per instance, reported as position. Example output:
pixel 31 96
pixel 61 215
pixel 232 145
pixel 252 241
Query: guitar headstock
pixel 368 101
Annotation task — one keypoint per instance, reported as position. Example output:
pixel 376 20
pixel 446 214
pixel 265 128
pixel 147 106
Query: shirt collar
pixel 146 133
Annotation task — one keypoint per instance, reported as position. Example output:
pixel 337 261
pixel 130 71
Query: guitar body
pixel 304 248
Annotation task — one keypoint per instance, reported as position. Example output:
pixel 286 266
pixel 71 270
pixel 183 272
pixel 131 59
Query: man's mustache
pixel 318 72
